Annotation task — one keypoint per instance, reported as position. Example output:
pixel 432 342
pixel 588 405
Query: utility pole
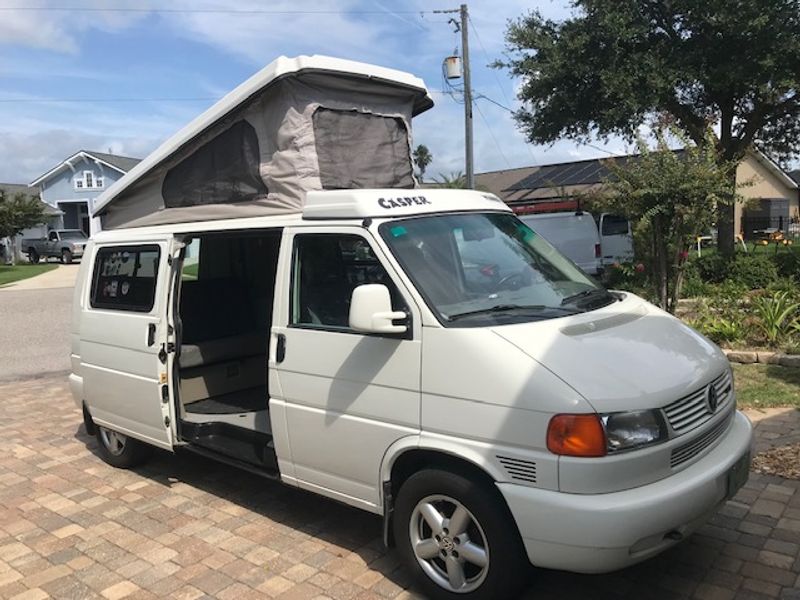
pixel 467 98
pixel 468 156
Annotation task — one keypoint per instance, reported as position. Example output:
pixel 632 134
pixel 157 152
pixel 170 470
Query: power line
pixel 99 100
pixel 491 133
pixel 112 100
pixel 233 11
pixel 499 85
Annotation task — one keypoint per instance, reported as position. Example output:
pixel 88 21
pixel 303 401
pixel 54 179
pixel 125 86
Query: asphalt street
pixel 34 332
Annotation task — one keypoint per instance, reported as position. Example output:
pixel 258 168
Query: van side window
pixel 326 269
pixel 125 278
pixel 614 225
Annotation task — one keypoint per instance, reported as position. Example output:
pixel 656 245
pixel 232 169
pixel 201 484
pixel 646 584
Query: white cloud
pixel 60 30
pixel 24 156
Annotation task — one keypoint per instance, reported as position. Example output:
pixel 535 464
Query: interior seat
pixel 218 323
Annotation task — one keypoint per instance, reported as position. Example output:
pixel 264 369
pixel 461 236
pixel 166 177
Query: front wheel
pixel 66 257
pixel 119 450
pixel 457 536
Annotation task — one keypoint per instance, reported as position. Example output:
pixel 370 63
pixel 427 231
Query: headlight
pixel 629 430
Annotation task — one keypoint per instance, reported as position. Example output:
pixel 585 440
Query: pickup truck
pixel 65 244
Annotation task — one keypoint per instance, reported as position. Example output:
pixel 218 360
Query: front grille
pixel 691 449
pixel 519 469
pixel 692 411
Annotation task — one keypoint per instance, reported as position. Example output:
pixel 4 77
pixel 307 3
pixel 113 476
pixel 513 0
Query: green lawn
pixel 22 271
pixel 764 386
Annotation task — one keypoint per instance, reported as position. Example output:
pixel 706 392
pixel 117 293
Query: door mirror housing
pixel 371 310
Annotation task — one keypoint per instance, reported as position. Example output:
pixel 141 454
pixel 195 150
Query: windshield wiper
pixel 587 294
pixel 500 308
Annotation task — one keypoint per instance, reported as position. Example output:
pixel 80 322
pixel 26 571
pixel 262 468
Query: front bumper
pixel 598 533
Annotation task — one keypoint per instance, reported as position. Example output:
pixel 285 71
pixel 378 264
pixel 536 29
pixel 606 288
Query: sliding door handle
pixel 151 334
pixel 280 348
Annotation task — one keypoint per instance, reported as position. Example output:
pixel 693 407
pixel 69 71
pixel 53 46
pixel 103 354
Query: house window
pixel 87 180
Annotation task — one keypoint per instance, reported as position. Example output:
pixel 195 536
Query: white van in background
pixel 616 239
pixel 574 234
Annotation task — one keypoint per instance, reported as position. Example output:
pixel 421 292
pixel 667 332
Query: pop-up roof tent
pixel 299 124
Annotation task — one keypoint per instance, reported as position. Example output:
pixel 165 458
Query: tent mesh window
pixel 223 170
pixel 361 150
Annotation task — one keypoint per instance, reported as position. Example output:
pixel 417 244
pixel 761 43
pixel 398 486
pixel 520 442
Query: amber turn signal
pixel 576 435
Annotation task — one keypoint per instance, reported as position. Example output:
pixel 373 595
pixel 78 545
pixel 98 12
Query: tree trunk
pixel 726 211
pixel 725 225
pixel 660 255
pixel 14 254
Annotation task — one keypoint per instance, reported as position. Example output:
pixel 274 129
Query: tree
pixel 670 197
pixel 18 213
pixel 454 180
pixel 422 158
pixel 732 64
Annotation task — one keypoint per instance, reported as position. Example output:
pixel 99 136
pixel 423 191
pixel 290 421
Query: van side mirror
pixel 371 310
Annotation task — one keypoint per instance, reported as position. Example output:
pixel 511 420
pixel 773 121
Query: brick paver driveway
pixel 73 527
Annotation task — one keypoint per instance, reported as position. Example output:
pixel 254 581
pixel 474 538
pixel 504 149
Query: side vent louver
pixel 521 470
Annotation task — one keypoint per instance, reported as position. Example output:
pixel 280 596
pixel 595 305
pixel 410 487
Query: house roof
pixel 795 175
pixel 12 189
pixel 123 164
pixel 546 182
pixel 15 188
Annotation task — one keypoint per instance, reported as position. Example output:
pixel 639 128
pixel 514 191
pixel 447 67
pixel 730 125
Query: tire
pixel 484 559
pixel 66 257
pixel 120 450
pixel 33 256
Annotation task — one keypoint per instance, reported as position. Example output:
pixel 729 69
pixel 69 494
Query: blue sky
pixel 126 81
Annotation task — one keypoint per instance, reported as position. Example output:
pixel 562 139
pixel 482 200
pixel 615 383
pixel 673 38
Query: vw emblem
pixel 712 400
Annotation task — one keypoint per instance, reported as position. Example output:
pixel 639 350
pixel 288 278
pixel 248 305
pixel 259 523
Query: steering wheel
pixel 512 281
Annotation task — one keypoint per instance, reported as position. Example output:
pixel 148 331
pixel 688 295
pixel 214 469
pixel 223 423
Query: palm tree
pixel 422 158
pixel 454 180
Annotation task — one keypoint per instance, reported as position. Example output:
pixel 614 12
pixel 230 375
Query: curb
pixel 748 357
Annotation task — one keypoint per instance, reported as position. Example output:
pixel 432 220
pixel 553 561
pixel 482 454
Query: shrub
pixel 711 268
pixel 721 330
pixel 777 315
pixel 788 264
pixel 693 284
pixel 753 271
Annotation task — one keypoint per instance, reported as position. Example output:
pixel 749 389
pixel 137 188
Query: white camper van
pixel 350 342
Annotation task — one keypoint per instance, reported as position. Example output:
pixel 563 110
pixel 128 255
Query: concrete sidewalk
pixel 61 277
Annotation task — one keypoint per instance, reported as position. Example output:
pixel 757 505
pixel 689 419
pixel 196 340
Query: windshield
pixel 477 269
pixel 73 235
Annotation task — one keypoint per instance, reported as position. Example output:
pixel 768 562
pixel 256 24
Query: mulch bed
pixel 783 461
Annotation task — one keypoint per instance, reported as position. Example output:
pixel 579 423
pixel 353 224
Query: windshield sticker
pixel 398 231
pixel 402 202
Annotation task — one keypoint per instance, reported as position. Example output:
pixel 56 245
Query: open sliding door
pixel 128 338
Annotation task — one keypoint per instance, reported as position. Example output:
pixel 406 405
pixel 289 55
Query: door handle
pixel 151 334
pixel 280 348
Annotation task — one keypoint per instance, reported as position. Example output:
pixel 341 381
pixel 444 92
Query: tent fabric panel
pixel 223 170
pixel 180 188
pixel 361 150
pixel 199 212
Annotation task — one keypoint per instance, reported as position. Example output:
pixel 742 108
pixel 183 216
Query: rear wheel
pixel 456 535
pixel 33 255
pixel 119 450
pixel 66 257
